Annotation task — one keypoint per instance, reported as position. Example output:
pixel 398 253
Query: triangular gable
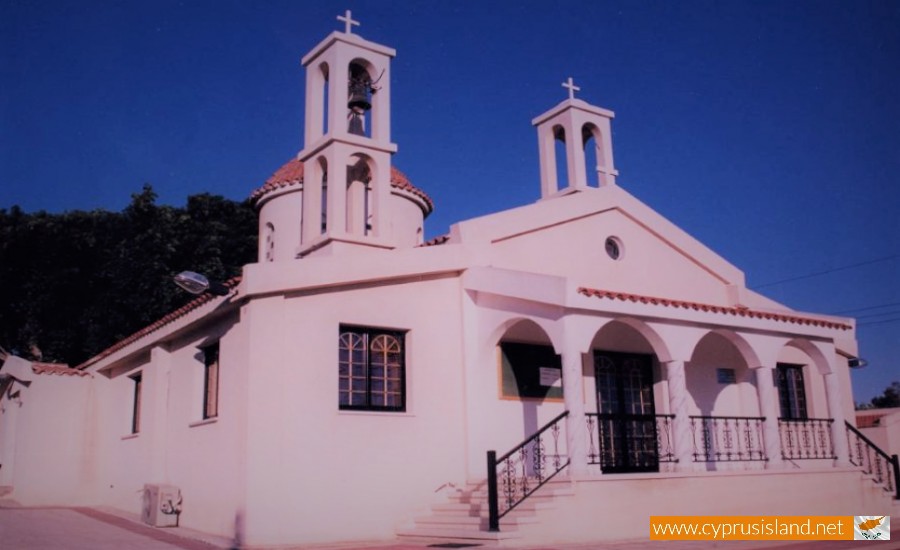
pixel 564 235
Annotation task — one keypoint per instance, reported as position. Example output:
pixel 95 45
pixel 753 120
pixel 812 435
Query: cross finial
pixel 348 22
pixel 572 87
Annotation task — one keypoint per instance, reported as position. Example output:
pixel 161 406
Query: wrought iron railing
pixel 523 470
pixel 728 438
pixel 806 439
pixel 648 434
pixel 884 469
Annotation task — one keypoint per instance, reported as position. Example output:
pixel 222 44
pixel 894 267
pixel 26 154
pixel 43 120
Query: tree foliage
pixel 890 397
pixel 75 283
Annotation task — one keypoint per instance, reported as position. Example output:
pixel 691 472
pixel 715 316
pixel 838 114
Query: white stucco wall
pixel 51 451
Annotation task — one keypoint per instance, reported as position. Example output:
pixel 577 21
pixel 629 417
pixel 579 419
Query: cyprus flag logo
pixel 871 527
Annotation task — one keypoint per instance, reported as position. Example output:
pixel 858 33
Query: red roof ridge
pixel 61 369
pixel 742 311
pixel 291 173
pixel 172 316
pixel 441 239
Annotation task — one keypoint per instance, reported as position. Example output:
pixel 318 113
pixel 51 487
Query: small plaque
pixel 551 377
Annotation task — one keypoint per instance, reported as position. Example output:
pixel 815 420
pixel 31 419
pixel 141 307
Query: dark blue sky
pixel 768 130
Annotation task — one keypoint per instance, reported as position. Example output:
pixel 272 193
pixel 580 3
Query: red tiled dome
pixel 292 174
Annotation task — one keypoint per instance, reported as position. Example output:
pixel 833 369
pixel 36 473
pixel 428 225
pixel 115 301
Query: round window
pixel 613 248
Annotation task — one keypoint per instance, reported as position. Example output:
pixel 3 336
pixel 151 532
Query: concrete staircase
pixel 464 514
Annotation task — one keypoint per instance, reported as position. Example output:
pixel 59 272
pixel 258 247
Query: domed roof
pixel 292 174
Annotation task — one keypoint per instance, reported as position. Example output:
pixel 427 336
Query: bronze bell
pixel 359 90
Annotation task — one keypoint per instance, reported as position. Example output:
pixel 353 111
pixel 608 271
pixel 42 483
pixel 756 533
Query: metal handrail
pixel 728 438
pixel 516 487
pixel 891 482
pixel 665 445
pixel 806 438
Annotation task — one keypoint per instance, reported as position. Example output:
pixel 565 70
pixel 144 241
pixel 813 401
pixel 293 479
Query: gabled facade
pixel 353 381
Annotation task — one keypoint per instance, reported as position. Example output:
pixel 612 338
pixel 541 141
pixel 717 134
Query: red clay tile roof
pixel 171 317
pixel 56 368
pixel 436 241
pixel 739 311
pixel 292 174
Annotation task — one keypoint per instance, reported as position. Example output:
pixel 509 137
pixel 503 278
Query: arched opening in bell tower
pixel 590 137
pixel 359 195
pixel 323 173
pixel 361 87
pixel 323 79
pixel 560 157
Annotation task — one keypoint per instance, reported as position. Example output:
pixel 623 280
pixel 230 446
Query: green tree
pixel 890 397
pixel 75 283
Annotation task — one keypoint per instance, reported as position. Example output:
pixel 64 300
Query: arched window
pixel 323 69
pixel 371 369
pixel 359 196
pixel 324 222
pixel 270 242
pixel 352 370
pixel 560 156
pixel 590 138
pixel 386 371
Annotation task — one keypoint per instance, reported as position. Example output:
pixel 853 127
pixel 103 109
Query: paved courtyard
pixel 52 528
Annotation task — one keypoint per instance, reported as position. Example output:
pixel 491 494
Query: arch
pixel 269 253
pixel 361 86
pixel 360 212
pixel 707 376
pixel 560 156
pixel 322 88
pixel 818 358
pixel 592 141
pixel 522 329
pixel 321 174
pixel 654 343
pixel 744 348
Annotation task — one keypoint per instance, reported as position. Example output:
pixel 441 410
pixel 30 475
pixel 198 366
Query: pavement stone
pixel 80 528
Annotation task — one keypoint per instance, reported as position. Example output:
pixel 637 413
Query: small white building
pixel 352 382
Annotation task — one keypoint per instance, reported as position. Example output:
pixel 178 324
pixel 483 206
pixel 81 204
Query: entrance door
pixel 627 421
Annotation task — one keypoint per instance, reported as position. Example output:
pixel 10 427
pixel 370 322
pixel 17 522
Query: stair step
pixel 474 509
pixel 473 521
pixel 461 534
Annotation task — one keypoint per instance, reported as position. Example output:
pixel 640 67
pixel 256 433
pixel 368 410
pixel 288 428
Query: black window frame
pixel 368 335
pixel 138 380
pixel 792 399
pixel 211 369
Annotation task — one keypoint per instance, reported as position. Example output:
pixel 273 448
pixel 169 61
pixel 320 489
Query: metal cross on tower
pixel 349 23
pixel 572 87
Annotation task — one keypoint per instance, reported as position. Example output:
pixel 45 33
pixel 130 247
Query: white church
pixel 558 371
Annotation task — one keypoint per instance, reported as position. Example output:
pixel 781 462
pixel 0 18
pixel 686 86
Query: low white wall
pixel 619 507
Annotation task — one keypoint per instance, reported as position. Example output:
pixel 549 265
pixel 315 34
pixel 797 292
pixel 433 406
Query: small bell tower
pixel 585 133
pixel 347 143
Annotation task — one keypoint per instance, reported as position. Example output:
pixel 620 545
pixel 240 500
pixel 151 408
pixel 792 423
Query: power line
pixel 867 308
pixel 827 271
pixel 882 314
pixel 884 321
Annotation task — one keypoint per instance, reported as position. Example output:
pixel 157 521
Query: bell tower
pixel 347 144
pixel 584 133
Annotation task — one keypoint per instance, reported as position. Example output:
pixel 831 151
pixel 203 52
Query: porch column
pixel 769 408
pixel 678 404
pixel 838 427
pixel 573 395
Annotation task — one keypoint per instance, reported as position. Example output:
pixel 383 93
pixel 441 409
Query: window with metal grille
pixel 371 369
pixel 791 391
pixel 136 404
pixel 211 381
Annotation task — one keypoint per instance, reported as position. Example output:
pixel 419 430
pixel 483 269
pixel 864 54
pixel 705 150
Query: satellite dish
pixel 196 283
